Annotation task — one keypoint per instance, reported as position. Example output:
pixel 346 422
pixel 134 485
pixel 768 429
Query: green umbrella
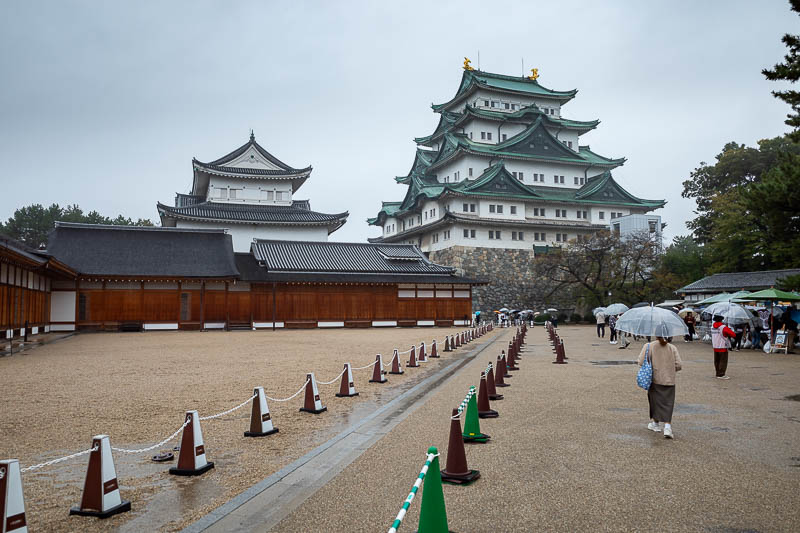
pixel 771 294
pixel 724 297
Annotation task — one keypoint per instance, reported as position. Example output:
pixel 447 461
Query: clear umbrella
pixel 731 313
pixel 598 310
pixel 616 309
pixel 652 321
pixel 504 309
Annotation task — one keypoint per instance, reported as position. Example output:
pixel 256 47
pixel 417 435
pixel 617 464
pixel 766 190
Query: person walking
pixel 690 321
pixel 720 333
pixel 612 329
pixel 666 362
pixel 601 324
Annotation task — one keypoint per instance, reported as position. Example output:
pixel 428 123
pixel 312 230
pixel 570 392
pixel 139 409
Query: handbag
pixel 645 375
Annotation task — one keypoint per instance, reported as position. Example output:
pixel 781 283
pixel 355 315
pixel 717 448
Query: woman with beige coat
pixel 666 361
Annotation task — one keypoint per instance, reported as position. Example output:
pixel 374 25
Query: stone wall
pixel 512 283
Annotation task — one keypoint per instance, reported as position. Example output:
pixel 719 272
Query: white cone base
pixel 346 395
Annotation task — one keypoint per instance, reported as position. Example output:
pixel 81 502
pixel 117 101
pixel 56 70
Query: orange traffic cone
pixel 312 403
pixel 260 420
pixel 12 502
pixel 192 459
pixel 100 490
pixel 347 388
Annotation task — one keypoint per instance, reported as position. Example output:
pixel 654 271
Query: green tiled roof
pixel 533 143
pixel 422 160
pixel 473 79
pixel 496 182
pixel 450 121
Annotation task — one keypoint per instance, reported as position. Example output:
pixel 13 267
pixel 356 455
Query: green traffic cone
pixel 472 425
pixel 432 514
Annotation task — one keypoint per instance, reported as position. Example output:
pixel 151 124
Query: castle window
pixel 488 135
pixel 486 103
pixel 483 135
pixel 491 208
pixel 499 208
pixel 466 208
pixel 234 193
pixel 520 176
pixel 505 137
pixel 569 143
pixel 470 171
pixel 576 180
pixel 508 106
pixel 602 215
pixel 513 209
pixel 583 181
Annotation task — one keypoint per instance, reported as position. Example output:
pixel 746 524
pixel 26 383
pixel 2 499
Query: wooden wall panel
pixel 214 306
pixel 123 306
pixel 444 309
pixel 161 306
pixel 462 308
pixel 384 302
pixel 261 302
pixel 239 306
pixel 406 309
pixel 426 309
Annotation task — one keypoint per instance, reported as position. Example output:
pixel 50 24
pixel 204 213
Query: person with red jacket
pixel 720 333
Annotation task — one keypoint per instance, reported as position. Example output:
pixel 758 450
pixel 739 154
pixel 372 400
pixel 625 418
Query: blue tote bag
pixel 645 376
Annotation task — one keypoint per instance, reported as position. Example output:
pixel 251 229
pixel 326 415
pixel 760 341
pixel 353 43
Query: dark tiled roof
pixel 101 250
pixel 252 171
pixel 220 164
pixel 727 281
pixel 185 200
pixel 22 249
pixel 251 271
pixel 247 213
pixel 339 257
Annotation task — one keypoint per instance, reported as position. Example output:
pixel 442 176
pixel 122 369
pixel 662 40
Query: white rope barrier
pixel 154 446
pixel 417 484
pixel 407 351
pixel 223 413
pixel 334 379
pixel 59 460
pixel 290 397
pixel 366 366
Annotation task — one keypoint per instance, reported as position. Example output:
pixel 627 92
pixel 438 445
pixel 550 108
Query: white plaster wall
pixel 62 306
pixel 484 211
pixel 251 190
pixel 478 165
pixel 243 234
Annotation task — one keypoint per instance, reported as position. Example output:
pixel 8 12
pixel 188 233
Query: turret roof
pixel 520 85
pixel 222 164
pixel 450 121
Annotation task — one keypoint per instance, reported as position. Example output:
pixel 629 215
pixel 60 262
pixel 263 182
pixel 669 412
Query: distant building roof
pixel 124 251
pixel 296 214
pixel 221 164
pixel 340 257
pixel 734 281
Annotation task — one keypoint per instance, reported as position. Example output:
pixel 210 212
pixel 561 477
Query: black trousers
pixel 721 362
pixel 612 336
pixel 601 330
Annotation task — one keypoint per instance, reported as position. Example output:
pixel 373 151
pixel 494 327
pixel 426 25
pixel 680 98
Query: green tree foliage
pixel 31 224
pixel 789 283
pixel 684 260
pixel 789 70
pixel 736 167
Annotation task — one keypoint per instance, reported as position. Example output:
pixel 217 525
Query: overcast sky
pixel 104 104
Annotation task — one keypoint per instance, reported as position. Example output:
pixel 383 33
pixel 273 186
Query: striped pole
pixel 464 403
pixel 417 484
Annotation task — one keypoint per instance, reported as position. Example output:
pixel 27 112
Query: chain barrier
pixel 218 415
pixel 417 484
pixel 59 460
pixel 464 403
pixel 334 379
pixel 154 446
pixel 290 397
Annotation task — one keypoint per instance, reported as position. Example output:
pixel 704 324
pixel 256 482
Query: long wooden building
pixel 95 277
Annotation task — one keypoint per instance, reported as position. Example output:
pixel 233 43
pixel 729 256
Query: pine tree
pixel 789 71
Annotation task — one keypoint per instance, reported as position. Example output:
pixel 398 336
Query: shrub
pixel 541 318
pixel 575 317
pixel 588 317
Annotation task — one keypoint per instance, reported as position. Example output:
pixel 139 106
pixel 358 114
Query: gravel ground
pixel 570 451
pixel 136 388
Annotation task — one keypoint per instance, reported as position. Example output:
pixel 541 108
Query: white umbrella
pixel 551 310
pixel 652 321
pixel 616 309
pixel 686 310
pixel 731 313
pixel 504 309
pixel 598 310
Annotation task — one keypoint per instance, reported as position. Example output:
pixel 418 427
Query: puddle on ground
pixel 794 398
pixel 777 374
pixel 626 437
pixel 759 388
pixel 693 409
pixel 613 363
